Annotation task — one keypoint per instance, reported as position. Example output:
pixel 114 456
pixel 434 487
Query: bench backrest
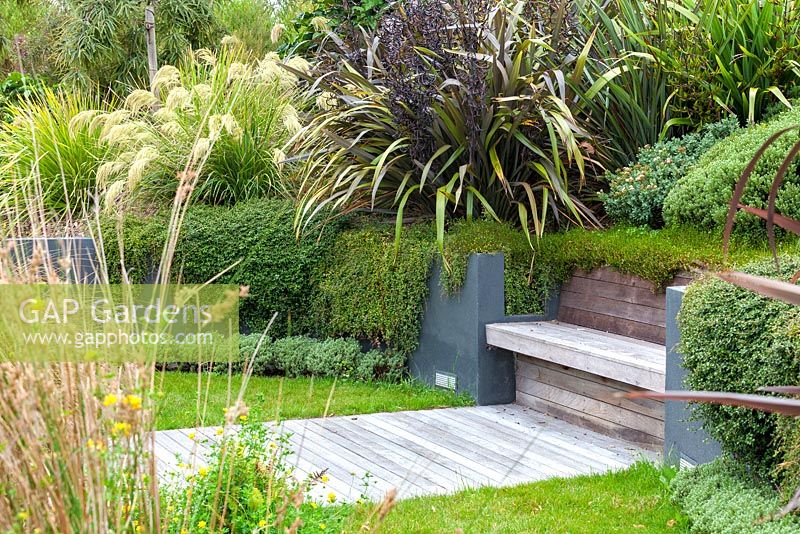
pixel 607 300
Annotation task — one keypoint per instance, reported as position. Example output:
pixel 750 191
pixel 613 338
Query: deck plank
pixel 428 452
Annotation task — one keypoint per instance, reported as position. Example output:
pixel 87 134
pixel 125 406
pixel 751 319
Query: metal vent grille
pixel 685 463
pixel 445 380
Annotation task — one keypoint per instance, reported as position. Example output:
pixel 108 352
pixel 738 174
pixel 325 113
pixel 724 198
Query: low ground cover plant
pixel 722 497
pixel 335 358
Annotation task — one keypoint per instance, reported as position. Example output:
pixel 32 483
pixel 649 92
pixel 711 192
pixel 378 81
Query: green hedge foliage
pixel 719 498
pixel 701 197
pixel 369 290
pixel 336 358
pixel 736 340
pixel 637 192
pixel 655 255
pixel 485 236
pixel 258 234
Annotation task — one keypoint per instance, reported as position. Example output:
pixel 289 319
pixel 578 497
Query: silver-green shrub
pixel 637 192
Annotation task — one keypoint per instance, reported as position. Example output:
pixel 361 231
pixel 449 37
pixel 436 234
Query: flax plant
pixel 496 133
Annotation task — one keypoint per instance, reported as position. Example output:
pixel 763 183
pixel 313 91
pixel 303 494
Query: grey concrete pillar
pixel 452 349
pixel 685 442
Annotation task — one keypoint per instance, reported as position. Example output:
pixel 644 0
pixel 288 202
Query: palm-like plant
pixel 482 124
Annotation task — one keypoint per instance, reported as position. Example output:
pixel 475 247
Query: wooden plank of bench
pixel 606 323
pixel 614 308
pixel 583 383
pixel 596 407
pixel 616 292
pixel 607 274
pixel 624 359
pixel 591 422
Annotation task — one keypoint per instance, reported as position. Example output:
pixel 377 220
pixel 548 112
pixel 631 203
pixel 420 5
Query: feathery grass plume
pixel 166 78
pixel 140 99
pixel 245 108
pixel 58 137
pixel 277 31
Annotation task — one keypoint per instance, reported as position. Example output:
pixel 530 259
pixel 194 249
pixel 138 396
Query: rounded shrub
pixel 735 340
pixel 637 192
pixel 337 358
pixel 701 197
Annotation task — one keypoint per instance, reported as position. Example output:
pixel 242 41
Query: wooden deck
pixel 429 452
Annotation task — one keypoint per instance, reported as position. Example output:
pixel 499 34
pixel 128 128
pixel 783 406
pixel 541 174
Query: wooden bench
pixel 608 339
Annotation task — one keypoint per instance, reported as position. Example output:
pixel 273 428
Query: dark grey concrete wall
pixel 684 439
pixel 82 252
pixel 453 336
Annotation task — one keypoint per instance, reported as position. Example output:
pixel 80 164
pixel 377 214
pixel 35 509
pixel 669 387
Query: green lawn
pixel 292 397
pixel 635 500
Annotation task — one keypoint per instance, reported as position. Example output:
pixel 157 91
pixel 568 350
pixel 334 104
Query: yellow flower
pixel 220 431
pixel 203 471
pixel 134 402
pixel 201 524
pixel 262 523
pixel 242 418
pixel 191 436
pixel 323 526
pixel 22 516
pixel 273 445
pixel 184 531
pixel 121 428
pixel 110 400
pixel 325 478
pixel 140 528
pixel 331 497
pixel 90 443
pixel 314 505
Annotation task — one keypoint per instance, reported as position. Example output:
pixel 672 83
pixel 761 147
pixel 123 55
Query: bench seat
pixel 624 359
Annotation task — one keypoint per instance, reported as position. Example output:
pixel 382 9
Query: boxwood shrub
pixel 701 197
pixel 258 234
pixel 637 192
pixel 736 340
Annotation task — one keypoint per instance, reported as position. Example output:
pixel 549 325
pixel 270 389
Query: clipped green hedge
pixel 367 290
pixel 258 234
pixel 720 498
pixel 736 340
pixel 701 197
